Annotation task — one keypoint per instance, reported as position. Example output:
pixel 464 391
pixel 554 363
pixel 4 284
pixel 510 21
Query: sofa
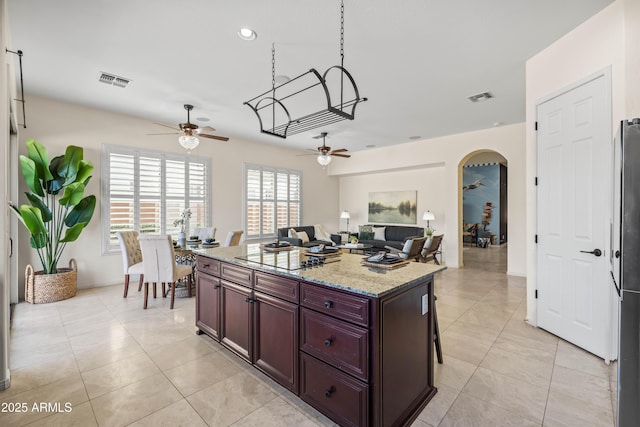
pixel 283 235
pixel 394 235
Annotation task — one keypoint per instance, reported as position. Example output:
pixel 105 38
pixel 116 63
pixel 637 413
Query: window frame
pixel 275 170
pixel 163 157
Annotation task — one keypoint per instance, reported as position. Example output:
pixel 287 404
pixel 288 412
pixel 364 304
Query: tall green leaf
pixel 82 212
pixel 30 174
pixel 72 194
pixel 69 167
pixel 57 181
pixel 32 218
pixel 37 202
pixel 84 172
pixel 72 233
pixel 38 153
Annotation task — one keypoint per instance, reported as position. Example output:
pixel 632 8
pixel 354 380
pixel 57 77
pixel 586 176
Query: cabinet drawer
pixel 334 341
pixel 239 275
pixel 337 395
pixel 347 307
pixel 280 287
pixel 208 265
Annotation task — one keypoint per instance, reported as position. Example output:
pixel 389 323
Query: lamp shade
pixel 345 215
pixel 188 141
pixel 324 159
pixel 428 216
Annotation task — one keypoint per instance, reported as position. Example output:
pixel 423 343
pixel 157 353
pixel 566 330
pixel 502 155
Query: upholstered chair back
pixel 130 248
pixel 159 258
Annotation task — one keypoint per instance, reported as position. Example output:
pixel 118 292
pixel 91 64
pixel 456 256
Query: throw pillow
pixel 321 233
pixel 378 233
pixel 365 229
pixel 293 233
pixel 302 235
pixel 365 235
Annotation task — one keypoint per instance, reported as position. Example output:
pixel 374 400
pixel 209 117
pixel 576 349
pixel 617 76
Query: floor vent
pixel 114 80
pixel 481 97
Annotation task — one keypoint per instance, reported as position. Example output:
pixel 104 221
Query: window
pixel 273 200
pixel 148 190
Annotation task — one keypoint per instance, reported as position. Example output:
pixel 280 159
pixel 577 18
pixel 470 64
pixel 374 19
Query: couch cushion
pixel 379 233
pixel 401 233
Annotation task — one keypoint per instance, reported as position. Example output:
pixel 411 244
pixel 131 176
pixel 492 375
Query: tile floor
pixel 114 364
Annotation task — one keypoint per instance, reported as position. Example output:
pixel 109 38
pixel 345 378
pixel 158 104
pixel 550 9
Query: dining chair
pixel 160 265
pixel 131 257
pixel 411 250
pixel 233 238
pixel 205 233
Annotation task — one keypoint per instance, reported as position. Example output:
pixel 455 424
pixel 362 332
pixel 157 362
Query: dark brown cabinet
pixel 207 304
pixel 275 339
pixel 235 318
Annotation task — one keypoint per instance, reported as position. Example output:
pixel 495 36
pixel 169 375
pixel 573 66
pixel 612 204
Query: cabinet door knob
pixel 327 304
pixel 216 286
pixel 328 342
pixel 328 392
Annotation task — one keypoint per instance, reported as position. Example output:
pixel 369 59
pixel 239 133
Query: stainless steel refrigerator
pixel 625 263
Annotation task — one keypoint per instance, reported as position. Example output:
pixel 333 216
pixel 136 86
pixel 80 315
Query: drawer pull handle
pixel 329 392
pixel 206 265
pixel 328 342
pixel 216 286
pixel 328 304
pixel 249 300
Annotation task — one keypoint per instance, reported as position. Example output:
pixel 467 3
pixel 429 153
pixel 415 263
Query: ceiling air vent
pixel 114 80
pixel 480 97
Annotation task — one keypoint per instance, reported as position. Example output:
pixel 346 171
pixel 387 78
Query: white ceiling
pixel 416 61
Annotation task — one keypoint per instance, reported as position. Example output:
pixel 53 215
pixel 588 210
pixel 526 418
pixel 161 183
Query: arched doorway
pixel 482 210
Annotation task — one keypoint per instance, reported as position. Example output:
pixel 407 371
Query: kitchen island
pixel 353 341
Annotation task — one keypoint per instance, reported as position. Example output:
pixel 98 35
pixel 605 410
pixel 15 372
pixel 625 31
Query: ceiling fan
pixel 189 132
pixel 325 152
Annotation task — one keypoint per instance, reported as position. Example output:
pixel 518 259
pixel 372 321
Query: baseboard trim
pixel 5 384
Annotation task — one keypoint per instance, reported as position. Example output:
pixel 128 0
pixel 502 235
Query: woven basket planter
pixel 42 288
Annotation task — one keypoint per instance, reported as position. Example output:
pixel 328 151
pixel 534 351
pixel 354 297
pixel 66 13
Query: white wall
pixel 591 47
pixel 57 124
pixel 632 67
pixel 433 168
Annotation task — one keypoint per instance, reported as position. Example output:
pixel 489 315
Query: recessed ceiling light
pixel 247 34
pixel 480 97
pixel 202 119
pixel 496 124
pixel 370 145
pixel 415 137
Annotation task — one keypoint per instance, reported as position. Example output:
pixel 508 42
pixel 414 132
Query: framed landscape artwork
pixel 393 207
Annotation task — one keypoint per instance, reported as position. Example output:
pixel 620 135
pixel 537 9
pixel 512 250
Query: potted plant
pixel 182 222
pixel 57 214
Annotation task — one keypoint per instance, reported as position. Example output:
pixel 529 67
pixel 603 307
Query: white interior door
pixel 573 197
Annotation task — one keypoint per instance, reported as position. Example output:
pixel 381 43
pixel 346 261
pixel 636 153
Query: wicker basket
pixel 42 288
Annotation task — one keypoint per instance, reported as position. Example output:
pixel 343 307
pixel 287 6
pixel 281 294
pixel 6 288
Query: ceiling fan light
pixel 247 34
pixel 324 159
pixel 189 142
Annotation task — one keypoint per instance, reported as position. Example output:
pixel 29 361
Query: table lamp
pixel 345 215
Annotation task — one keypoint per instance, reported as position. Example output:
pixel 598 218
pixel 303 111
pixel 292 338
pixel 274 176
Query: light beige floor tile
pixel 485 316
pixel 564 410
pixel 419 423
pixel 453 373
pixel 175 354
pixel 473 412
pixel 107 353
pixel 33 339
pixel 588 388
pixel 512 395
pixel 68 390
pixel 113 336
pixel 275 413
pixel 79 416
pixel 573 357
pixel 179 413
pixel 135 401
pixel 36 356
pixel 526 347
pixel 533 371
pixel 48 371
pixel 118 374
pixel 230 400
pixel 188 377
pixel 439 405
pixel 467 342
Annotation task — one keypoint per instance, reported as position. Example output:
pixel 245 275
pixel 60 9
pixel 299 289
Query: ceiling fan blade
pixel 313 149
pixel 166 133
pixel 167 126
pixel 219 138
pixel 339 150
pixel 205 129
pixel 341 155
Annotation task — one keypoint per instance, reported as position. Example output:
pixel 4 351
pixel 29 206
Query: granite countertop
pixel 348 273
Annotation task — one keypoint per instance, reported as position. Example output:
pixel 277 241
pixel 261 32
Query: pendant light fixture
pixel 273 106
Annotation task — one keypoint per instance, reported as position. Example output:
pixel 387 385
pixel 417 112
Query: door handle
pixel 596 252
